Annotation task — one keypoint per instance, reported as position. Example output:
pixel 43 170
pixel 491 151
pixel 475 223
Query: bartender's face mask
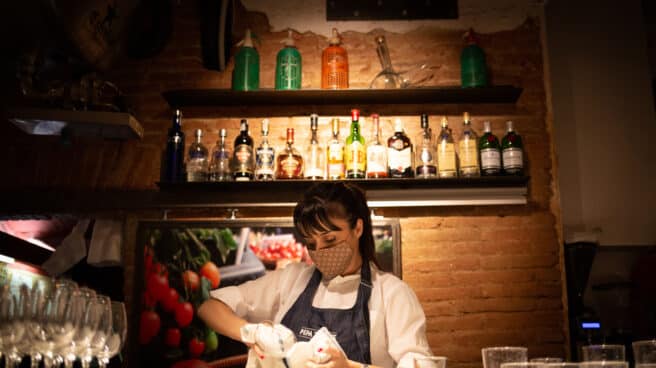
pixel 333 251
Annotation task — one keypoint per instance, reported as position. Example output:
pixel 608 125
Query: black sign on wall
pixel 391 9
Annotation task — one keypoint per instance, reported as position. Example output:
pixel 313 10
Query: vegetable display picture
pixel 180 268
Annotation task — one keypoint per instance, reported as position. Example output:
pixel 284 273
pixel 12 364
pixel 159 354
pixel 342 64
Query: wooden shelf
pixel 410 101
pixel 111 125
pixel 497 190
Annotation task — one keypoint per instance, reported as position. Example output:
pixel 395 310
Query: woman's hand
pixel 330 358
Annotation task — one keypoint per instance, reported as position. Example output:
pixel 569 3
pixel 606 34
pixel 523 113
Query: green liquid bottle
pixel 512 151
pixel 473 69
pixel 246 75
pixel 288 65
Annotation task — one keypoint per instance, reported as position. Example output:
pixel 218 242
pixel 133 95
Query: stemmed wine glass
pixel 116 339
pixel 99 314
pixel 84 327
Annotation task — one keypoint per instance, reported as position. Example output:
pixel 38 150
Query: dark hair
pixel 335 199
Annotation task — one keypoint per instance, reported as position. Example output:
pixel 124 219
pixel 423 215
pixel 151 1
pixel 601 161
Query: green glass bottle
pixel 512 152
pixel 246 75
pixel 288 65
pixel 355 154
pixel 473 69
pixel 488 146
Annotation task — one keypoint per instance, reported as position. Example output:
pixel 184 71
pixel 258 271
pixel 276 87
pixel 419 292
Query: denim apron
pixel 351 326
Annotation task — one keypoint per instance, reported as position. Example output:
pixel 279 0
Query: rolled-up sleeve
pixel 406 326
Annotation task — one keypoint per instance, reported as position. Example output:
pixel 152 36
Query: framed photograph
pixel 178 262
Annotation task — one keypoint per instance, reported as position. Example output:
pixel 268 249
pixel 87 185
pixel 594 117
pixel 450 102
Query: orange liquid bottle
pixel 334 64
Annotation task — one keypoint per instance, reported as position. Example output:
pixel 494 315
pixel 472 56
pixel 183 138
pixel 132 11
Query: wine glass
pixel 84 326
pixel 13 334
pixel 59 319
pixel 116 339
pixel 100 315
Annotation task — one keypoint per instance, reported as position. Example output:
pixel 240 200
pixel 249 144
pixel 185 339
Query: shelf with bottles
pixel 269 102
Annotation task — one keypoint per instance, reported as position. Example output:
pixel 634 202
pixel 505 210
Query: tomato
pixel 149 324
pixel 211 341
pixel 211 273
pixel 191 280
pixel 190 363
pixel 170 300
pixel 172 337
pixel 148 301
pixel 160 269
pixel 158 286
pixel 196 347
pixel 184 313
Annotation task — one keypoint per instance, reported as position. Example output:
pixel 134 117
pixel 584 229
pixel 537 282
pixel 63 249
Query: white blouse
pixel 398 323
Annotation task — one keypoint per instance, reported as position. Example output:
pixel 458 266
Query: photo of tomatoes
pixel 278 250
pixel 179 270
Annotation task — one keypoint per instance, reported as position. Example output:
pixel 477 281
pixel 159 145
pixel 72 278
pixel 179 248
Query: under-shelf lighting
pixel 6 259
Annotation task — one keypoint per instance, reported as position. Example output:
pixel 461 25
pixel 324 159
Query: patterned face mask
pixel 332 261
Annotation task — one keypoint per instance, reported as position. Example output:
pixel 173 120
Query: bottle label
pixel 291 167
pixel 335 161
pixel 513 159
pixel 376 159
pixel 244 158
pixel 356 158
pixel 446 157
pixel 400 160
pixel 468 154
pixel 490 159
pixel 264 161
pixel 288 74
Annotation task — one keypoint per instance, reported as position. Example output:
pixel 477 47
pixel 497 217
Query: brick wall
pixel 484 275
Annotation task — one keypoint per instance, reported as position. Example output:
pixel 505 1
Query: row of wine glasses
pixel 58 322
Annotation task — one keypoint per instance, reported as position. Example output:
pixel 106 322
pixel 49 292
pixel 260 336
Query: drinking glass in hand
pixel 494 356
pixel 603 352
pixel 430 362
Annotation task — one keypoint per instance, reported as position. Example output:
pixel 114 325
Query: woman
pixel 376 317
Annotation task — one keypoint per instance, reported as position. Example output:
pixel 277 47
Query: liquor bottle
pixel 334 64
pixel 399 153
pixel 314 157
pixel 289 162
pixel 355 154
pixel 446 152
pixel 425 153
pixel 197 162
pixel 488 146
pixel 335 154
pixel 174 157
pixel 242 160
pixel 376 152
pixel 220 164
pixel 512 151
pixel 264 156
pixel 468 149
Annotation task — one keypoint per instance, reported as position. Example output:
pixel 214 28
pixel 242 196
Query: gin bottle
pixel 314 155
pixel 468 149
pixel 220 163
pixel 446 152
pixel 425 152
pixel 264 156
pixel 488 145
pixel 197 163
pixel 512 151
pixel 376 152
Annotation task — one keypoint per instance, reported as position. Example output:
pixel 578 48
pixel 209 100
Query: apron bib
pixel 351 326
